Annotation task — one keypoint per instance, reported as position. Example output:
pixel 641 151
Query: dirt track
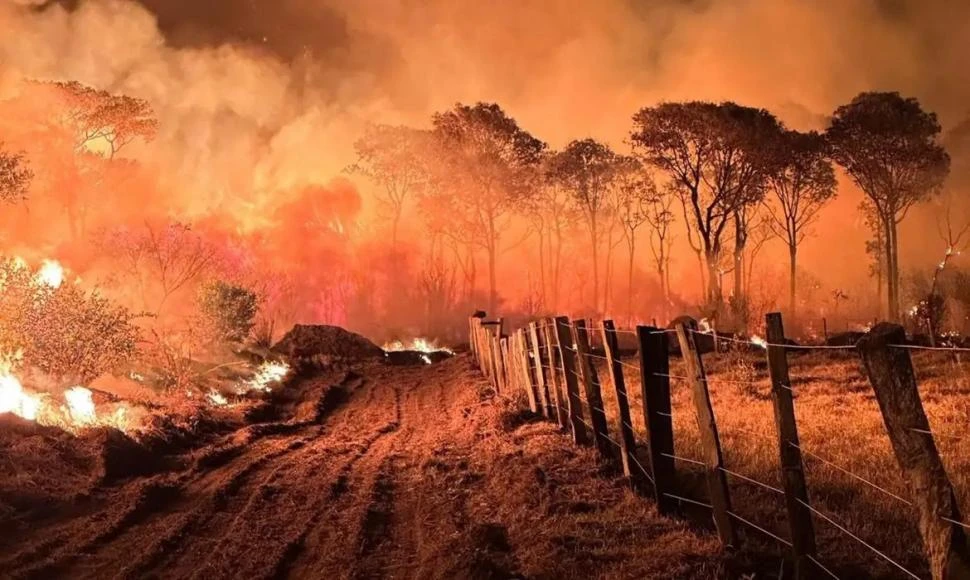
pixel 375 472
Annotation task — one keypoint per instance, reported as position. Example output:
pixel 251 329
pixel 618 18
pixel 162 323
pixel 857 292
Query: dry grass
pixel 838 421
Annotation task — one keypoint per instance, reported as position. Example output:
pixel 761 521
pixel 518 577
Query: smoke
pixel 259 100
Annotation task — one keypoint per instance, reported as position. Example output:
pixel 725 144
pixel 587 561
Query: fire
pixel 269 373
pixel 13 399
pixel 426 359
pixel 418 344
pixel 77 412
pixel 50 274
pixel 216 398
pixel 80 405
pixel 758 341
pixel 705 326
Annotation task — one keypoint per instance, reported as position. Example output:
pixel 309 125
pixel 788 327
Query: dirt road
pixel 371 472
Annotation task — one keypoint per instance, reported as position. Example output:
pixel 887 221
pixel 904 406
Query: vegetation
pixel 229 310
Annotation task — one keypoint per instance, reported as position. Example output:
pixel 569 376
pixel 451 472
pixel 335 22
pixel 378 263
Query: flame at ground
pixel 269 373
pixel 758 341
pixel 13 399
pixel 80 405
pixel 704 325
pixel 77 412
pixel 50 274
pixel 418 344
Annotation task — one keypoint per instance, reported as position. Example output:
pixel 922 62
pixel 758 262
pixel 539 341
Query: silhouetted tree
pixel 659 214
pixel 94 115
pixel 802 183
pixel 15 176
pixel 486 170
pixel 393 158
pixel 634 191
pixel 587 169
pixel 889 146
pixel 718 157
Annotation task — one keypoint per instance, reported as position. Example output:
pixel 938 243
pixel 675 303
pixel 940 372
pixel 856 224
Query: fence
pixel 552 363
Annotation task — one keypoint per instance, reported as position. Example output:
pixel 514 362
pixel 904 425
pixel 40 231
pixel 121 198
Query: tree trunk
pixel 556 264
pixel 629 279
pixel 714 281
pixel 596 263
pixel 705 288
pixel 792 250
pixel 492 284
pixel 892 275
pixel 395 225
pixel 542 268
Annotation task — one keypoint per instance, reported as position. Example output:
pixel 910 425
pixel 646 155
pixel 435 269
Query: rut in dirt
pixel 375 472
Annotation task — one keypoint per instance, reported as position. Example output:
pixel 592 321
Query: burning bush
pixel 58 328
pixel 228 310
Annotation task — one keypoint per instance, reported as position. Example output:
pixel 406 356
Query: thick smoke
pixel 259 100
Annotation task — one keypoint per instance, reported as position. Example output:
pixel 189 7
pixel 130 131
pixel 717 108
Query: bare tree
pixel 659 214
pixel 803 182
pixel 94 115
pixel 487 168
pixel 634 192
pixel 889 146
pixel 393 158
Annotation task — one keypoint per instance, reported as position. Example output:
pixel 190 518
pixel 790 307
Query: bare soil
pixel 372 471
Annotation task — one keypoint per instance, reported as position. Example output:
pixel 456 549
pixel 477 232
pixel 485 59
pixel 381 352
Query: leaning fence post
pixel 536 356
pixel 716 480
pixel 628 441
pixel 792 470
pixel 555 385
pixel 504 363
pixel 570 376
pixel 525 377
pixel 594 396
pixel 890 372
pixel 655 393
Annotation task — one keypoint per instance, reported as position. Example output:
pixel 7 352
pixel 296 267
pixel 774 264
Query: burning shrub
pixel 60 329
pixel 228 310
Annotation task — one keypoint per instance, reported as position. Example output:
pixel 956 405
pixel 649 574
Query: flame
pixel 704 325
pixel 269 373
pixel 426 359
pixel 217 398
pixel 418 344
pixel 13 399
pixel 758 341
pixel 50 274
pixel 80 405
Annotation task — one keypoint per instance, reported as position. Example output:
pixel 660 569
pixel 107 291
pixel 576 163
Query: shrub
pixel 228 310
pixel 63 331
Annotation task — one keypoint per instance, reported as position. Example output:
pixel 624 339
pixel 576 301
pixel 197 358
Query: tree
pixel 229 310
pixel 486 171
pixel 15 176
pixel 553 211
pixel 802 183
pixel 588 170
pixel 391 157
pixel 889 147
pixel 94 115
pixel 660 216
pixel 634 194
pixel 718 158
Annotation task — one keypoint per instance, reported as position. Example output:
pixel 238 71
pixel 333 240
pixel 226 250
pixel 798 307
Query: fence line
pixel 519 361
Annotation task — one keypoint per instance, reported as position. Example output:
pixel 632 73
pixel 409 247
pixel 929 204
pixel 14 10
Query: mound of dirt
pixel 310 340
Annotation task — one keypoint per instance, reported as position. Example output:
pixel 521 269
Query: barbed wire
pixel 754 481
pixel 821 567
pixel 760 529
pixel 688 500
pixel 849 473
pixel 684 459
pixel 855 537
pixel 935 348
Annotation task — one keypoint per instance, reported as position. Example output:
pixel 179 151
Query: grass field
pixel 844 442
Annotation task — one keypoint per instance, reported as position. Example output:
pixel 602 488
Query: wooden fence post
pixel 890 371
pixel 594 397
pixel 628 440
pixel 522 354
pixel 555 385
pixel 503 363
pixel 792 470
pixel 570 376
pixel 655 393
pixel 716 479
pixel 544 400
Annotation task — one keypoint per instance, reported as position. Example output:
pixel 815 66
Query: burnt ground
pixel 369 472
